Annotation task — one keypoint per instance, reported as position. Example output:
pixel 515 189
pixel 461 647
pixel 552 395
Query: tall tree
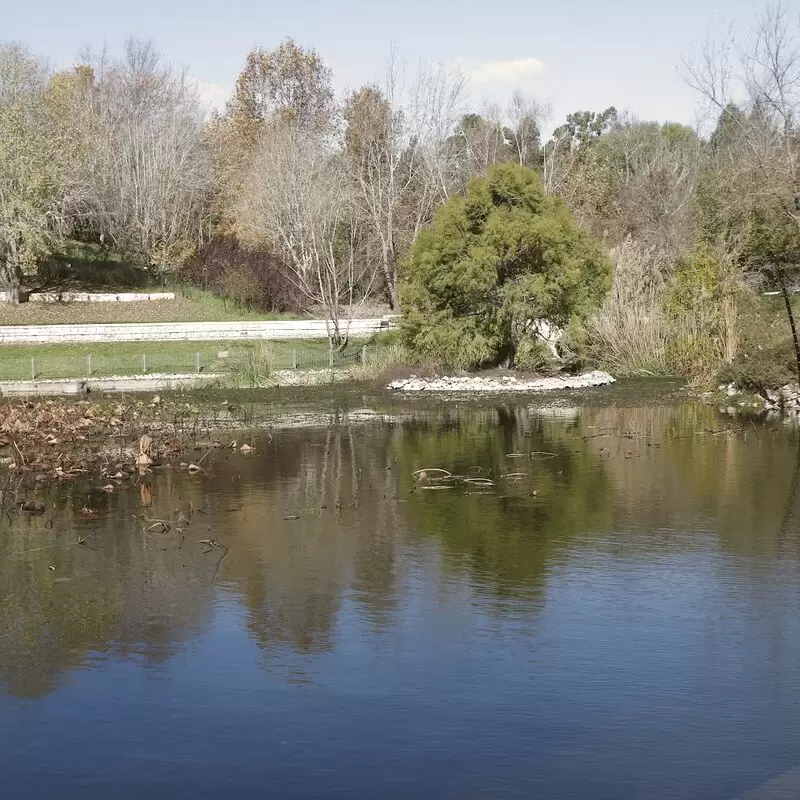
pixel 761 123
pixel 34 161
pixel 570 144
pixel 298 201
pixel 524 134
pixel 401 171
pixel 287 85
pixel 150 171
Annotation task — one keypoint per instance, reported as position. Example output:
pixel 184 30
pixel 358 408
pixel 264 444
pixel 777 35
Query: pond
pixel 611 611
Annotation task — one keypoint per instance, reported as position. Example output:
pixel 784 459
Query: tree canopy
pixel 494 262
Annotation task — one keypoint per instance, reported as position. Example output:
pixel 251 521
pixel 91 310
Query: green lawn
pixel 133 358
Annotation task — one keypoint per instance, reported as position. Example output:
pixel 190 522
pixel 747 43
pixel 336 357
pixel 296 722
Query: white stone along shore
pixel 505 383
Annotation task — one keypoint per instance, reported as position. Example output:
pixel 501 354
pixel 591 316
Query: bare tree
pixel 527 117
pixel 394 142
pixel 478 141
pixel 433 106
pixel 299 200
pixel 150 168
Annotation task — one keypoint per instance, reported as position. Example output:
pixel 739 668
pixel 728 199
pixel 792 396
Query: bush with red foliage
pixel 252 278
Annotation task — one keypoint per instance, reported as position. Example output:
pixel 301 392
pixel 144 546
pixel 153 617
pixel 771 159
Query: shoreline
pixel 506 383
pixel 163 382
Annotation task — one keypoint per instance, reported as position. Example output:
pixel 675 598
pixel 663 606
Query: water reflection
pixel 312 517
pixel 602 521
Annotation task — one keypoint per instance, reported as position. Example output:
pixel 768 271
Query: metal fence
pixel 255 358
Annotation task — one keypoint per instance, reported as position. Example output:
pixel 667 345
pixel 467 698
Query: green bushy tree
pixel 494 262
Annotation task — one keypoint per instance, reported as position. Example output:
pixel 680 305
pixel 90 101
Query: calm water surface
pixel 620 619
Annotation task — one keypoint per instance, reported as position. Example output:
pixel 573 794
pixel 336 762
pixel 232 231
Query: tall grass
pixel 380 360
pixel 253 366
pixel 630 333
pixel 640 331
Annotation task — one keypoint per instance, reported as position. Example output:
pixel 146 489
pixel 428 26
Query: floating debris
pixel 480 481
pixel 158 526
pixel 431 474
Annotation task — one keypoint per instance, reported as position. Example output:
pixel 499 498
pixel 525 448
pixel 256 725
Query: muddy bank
pixel 112 441
pixel 53 441
pixel 146 384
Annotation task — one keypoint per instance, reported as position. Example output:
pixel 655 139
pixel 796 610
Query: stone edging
pixel 507 383
pixel 94 297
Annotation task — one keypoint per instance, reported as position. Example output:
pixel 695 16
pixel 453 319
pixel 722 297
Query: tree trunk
pixel 10 279
pixel 389 269
pixel 789 313
pixel 391 295
pixel 507 355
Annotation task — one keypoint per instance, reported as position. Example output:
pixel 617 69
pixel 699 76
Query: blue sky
pixel 577 55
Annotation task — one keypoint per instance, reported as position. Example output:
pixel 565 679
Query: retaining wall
pixel 182 331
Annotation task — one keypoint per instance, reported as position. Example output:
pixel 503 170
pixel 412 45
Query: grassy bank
pixel 189 305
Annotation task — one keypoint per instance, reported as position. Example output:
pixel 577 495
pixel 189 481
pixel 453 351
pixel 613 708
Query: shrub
pixel 762 367
pixel 765 359
pixel 493 260
pixel 252 278
pixel 533 355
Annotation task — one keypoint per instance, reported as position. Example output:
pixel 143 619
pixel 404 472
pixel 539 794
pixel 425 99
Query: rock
pixel 506 383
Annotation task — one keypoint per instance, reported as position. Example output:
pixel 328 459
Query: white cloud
pixel 508 72
pixel 212 96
